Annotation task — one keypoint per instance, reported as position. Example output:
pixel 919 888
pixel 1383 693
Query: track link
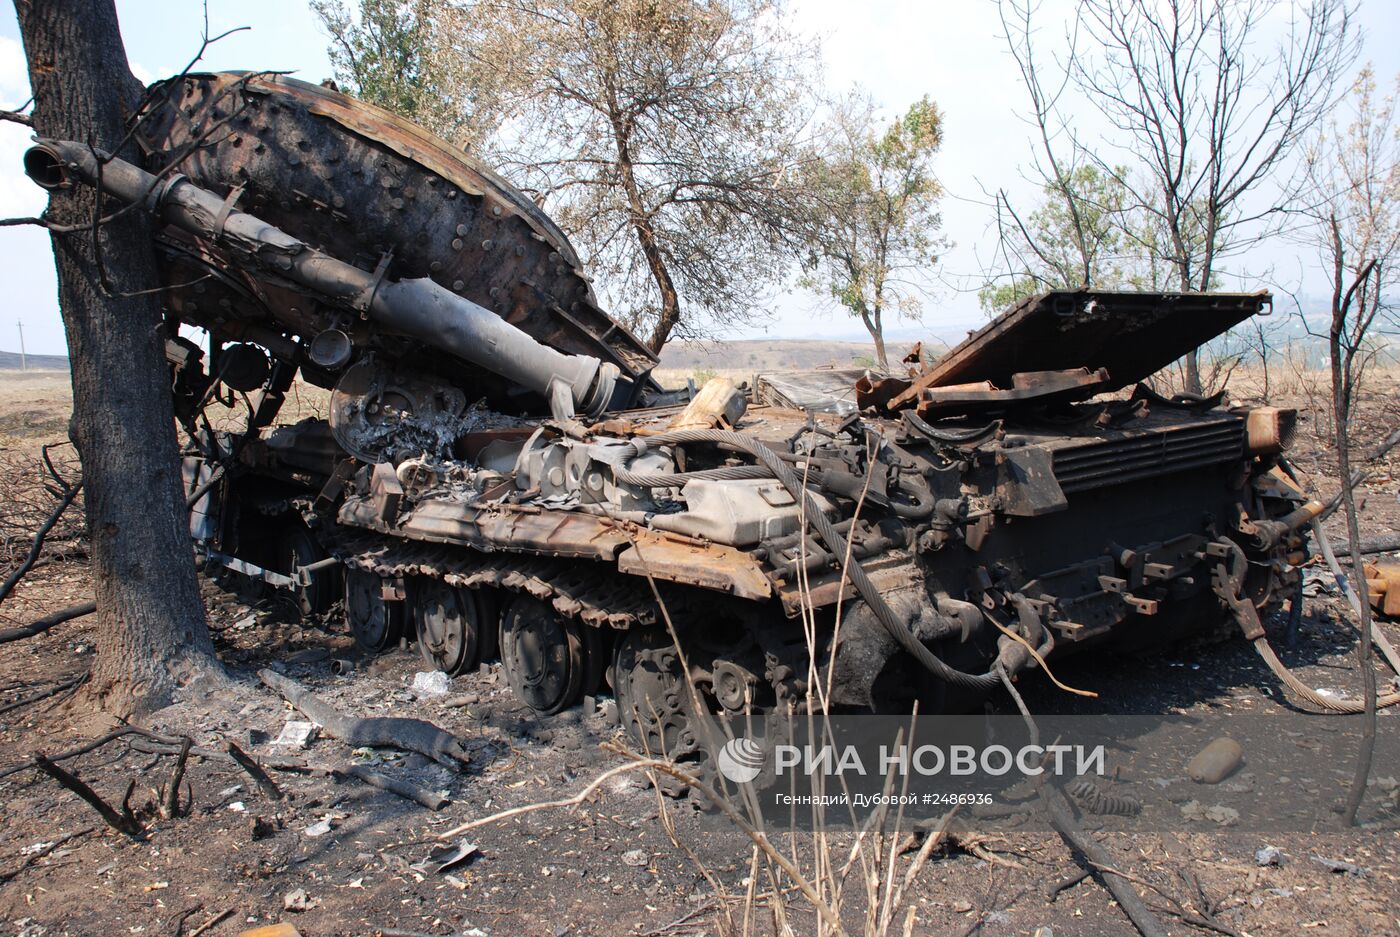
pixel 592 593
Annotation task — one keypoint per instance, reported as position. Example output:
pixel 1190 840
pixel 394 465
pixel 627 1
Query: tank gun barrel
pixel 419 308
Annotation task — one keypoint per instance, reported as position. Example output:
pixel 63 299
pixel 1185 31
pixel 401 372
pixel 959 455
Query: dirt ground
pixel 337 857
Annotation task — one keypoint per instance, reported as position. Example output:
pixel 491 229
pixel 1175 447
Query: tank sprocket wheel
pixel 374 622
pixel 651 692
pixel 449 623
pixel 659 712
pixel 542 654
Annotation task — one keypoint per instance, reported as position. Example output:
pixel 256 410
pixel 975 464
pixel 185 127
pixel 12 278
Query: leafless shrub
pixel 29 494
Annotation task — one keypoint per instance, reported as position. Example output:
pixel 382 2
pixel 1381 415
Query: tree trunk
pixel 151 631
pixel 670 313
pixel 877 335
pixel 1341 364
pixel 881 358
pixel 1191 372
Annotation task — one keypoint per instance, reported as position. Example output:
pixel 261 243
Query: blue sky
pixel 899 51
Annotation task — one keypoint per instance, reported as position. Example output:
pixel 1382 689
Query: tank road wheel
pixel 542 655
pixel 650 689
pixel 449 624
pixel 375 623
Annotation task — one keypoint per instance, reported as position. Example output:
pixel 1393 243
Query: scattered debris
pixel 1216 762
pixel 431 683
pixel 298 900
pixel 412 735
pixel 319 828
pixel 1339 866
pixel 38 851
pixel 1217 813
pixel 297 734
pixel 444 858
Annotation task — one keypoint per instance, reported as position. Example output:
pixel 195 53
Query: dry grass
pixel 34 407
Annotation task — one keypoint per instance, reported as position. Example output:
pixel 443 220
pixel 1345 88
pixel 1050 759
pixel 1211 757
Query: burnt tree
pixel 151 629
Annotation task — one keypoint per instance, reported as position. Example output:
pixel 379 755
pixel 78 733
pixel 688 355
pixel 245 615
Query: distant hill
pixel 9 361
pixel 774 354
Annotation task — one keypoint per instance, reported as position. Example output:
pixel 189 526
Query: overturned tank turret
pixel 499 474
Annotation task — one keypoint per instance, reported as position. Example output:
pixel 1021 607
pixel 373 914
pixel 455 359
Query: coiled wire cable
pixel 835 542
pixel 1347 707
pixel 678 479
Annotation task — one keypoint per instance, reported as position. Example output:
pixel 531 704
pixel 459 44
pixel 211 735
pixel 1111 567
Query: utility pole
pixel 23 361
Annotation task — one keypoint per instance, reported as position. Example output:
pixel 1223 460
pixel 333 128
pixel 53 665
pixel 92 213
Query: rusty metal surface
pixel 1040 387
pixel 891 572
pixel 526 529
pixel 1131 335
pixel 709 566
pixel 371 189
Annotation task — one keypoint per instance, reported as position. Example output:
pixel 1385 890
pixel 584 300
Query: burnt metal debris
pixel 500 474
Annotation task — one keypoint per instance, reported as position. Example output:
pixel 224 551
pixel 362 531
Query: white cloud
pixel 142 74
pixel 14 74
pixel 18 195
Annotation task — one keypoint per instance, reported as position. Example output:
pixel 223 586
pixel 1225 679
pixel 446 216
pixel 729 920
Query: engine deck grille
pixel 1160 452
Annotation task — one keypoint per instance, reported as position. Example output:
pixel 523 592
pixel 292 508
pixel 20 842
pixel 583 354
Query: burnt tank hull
pixel 499 474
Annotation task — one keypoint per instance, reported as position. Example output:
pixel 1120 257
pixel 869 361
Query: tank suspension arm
pixel 419 308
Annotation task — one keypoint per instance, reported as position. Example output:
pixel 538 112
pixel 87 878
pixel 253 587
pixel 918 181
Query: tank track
pixel 598 597
pixel 571 587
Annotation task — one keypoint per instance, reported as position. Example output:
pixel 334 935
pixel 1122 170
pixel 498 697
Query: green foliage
pixel 659 134
pixel 878 223
pixel 1090 230
pixel 388 52
pixel 996 297
pixel 1081 234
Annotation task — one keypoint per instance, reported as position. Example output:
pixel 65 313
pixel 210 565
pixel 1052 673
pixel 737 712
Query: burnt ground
pixel 609 867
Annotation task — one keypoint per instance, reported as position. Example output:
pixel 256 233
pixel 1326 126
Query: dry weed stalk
pixel 813 867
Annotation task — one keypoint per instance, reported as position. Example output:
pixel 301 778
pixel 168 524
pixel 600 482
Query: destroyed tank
pixel 498 473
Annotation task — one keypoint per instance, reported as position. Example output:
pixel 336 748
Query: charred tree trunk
pixel 151 629
pixel 1341 348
